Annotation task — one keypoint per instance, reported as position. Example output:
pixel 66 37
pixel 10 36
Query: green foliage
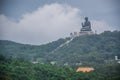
pixel 28 52
pixel 87 49
pixel 18 69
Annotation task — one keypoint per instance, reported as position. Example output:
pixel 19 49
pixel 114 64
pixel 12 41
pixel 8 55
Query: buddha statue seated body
pixel 86 26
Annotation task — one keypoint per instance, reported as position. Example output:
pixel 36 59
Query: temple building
pixel 85 69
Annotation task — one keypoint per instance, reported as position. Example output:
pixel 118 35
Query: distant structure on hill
pixel 85 69
pixel 85 30
pixel 116 59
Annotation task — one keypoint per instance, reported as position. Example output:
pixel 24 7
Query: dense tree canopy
pixel 18 69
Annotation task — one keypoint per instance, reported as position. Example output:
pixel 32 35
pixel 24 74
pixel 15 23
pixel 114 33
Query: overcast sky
pixel 42 21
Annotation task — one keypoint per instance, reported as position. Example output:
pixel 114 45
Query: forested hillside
pixel 18 69
pixel 87 50
pixel 26 51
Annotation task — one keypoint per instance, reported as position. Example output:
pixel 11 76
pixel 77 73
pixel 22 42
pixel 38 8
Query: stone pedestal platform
pixel 86 33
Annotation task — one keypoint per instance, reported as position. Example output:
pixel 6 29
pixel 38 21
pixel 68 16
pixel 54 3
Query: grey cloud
pixel 47 23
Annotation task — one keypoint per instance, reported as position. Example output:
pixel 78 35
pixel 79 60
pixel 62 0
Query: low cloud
pixel 47 23
pixel 101 26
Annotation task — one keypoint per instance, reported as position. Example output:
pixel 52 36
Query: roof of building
pixel 84 69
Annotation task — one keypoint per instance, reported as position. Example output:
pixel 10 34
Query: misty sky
pixel 42 21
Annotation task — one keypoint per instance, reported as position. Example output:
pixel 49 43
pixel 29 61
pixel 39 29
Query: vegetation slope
pixel 86 49
pixel 18 69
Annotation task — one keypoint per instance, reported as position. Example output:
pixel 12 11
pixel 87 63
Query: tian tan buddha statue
pixel 86 26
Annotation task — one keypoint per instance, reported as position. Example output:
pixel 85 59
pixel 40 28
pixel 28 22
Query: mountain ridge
pixel 96 48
